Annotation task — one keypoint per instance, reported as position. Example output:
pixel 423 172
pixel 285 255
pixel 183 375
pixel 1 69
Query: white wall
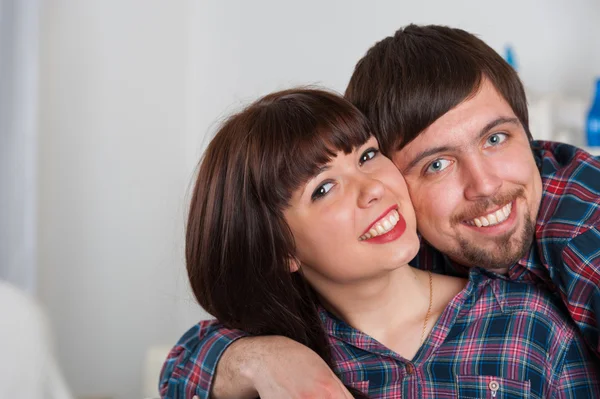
pixel 132 89
pixel 112 182
pixel 246 49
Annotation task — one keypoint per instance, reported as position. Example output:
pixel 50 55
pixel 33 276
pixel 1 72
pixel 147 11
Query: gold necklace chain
pixel 429 308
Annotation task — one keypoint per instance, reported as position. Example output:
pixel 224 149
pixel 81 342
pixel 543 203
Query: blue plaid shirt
pixel 472 348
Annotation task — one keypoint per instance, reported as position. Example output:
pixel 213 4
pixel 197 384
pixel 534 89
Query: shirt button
pixel 410 369
pixel 494 386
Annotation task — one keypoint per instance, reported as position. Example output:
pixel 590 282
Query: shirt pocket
pixel 491 387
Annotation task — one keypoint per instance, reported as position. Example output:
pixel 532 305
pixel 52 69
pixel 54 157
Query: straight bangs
pixel 238 244
pixel 407 81
pixel 298 133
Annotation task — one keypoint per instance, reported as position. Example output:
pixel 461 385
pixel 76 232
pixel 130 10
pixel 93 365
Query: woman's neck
pixel 390 308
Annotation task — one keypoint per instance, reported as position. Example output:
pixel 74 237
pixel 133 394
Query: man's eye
pixel 437 166
pixel 321 191
pixel 368 155
pixel 495 139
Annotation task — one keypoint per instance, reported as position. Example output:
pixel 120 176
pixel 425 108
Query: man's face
pixel 474 182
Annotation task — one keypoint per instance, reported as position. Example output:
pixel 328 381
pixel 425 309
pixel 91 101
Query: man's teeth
pixel 382 226
pixel 493 218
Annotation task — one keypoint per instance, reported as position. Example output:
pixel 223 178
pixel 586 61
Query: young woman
pixel 300 227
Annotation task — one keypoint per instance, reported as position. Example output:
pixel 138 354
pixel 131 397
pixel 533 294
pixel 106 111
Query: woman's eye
pixel 368 155
pixel 495 139
pixel 321 191
pixel 437 166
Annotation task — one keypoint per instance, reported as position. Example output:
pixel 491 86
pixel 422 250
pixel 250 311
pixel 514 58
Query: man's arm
pixel 579 280
pixel 274 367
pixel 579 377
pixel 191 364
pixel 212 361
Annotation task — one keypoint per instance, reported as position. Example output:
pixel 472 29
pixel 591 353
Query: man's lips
pixel 488 206
pixel 492 217
pixel 493 229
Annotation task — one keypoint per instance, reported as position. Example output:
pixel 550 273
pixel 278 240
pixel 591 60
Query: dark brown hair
pixel 238 245
pixel 407 81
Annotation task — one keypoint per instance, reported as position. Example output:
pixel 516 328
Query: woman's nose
pixel 371 191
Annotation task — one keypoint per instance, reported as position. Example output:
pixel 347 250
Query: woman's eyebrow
pixel 320 170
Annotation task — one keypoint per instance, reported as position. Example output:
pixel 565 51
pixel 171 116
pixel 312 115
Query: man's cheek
pixel 423 219
pixel 414 189
pixel 433 212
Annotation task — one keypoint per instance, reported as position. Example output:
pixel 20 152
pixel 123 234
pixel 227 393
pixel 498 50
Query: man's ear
pixel 294 265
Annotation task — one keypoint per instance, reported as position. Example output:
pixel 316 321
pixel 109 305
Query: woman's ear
pixel 294 265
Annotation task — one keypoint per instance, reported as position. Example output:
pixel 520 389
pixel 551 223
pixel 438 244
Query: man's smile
pixel 493 218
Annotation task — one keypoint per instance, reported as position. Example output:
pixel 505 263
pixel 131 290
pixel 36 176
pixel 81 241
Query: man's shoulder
pixel 564 162
pixel 191 363
pixel 571 189
pixel 187 352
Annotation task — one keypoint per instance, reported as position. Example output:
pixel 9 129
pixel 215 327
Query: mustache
pixel 481 207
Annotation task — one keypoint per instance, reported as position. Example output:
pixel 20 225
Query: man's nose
pixel 481 180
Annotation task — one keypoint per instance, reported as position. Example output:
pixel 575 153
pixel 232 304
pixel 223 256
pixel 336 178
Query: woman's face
pixel 354 220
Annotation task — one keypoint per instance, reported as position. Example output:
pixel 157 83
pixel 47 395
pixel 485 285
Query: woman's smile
pixel 386 228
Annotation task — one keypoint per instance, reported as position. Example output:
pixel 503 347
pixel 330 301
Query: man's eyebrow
pixel 486 129
pixel 496 122
pixel 425 154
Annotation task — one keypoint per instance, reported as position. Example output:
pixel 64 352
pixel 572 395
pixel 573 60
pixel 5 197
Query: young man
pixel 453 117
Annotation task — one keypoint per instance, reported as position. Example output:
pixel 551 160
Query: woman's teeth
pixel 382 226
pixel 493 218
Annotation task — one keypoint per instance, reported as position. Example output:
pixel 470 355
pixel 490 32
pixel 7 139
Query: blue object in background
pixel 593 119
pixel 509 57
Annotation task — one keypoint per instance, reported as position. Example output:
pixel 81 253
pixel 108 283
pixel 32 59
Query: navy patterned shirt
pixel 496 338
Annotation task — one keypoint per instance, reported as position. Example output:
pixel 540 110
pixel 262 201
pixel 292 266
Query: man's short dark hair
pixel 407 81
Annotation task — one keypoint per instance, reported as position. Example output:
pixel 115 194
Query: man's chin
pixel 486 260
pixel 498 255
pixel 497 264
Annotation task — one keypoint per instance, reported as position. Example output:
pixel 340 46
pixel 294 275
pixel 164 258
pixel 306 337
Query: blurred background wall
pixel 112 182
pixel 127 93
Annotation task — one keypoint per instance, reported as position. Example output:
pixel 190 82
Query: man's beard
pixel 502 257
